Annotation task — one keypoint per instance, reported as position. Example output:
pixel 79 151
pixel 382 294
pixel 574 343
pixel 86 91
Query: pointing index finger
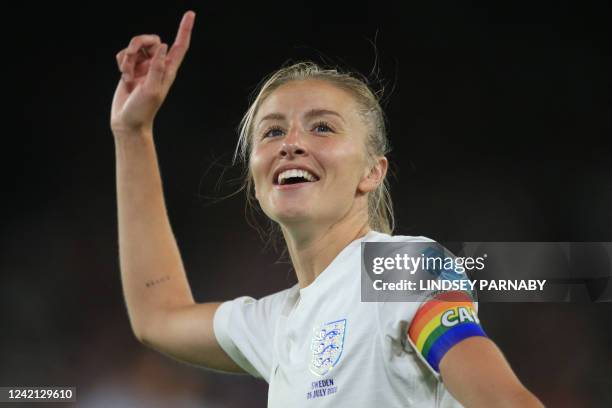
pixel 184 32
pixel 181 43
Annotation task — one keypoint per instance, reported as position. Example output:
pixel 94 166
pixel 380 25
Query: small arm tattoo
pixel 157 281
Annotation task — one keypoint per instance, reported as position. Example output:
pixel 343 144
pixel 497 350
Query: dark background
pixel 500 122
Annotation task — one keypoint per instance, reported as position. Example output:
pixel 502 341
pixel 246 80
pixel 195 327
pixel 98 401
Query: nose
pixel 291 149
pixel 292 145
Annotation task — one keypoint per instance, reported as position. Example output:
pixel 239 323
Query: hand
pixel 148 70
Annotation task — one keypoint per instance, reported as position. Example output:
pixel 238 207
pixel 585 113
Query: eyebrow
pixel 308 115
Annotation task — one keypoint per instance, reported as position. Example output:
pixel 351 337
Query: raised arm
pixel 476 373
pixel 161 307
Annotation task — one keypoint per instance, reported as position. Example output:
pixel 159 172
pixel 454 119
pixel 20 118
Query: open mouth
pixel 295 176
pixel 294 180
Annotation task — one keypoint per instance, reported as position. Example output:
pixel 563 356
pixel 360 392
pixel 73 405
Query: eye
pixel 272 131
pixel 322 127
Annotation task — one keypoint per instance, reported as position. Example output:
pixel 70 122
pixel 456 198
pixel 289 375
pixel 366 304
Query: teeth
pixel 295 173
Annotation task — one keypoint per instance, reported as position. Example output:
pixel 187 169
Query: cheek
pixel 347 162
pixel 260 164
pixel 257 165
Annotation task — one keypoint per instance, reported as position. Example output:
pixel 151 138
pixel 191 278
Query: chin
pixel 291 215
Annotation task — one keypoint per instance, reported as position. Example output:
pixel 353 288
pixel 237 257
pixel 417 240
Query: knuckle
pixel 133 42
pixel 138 41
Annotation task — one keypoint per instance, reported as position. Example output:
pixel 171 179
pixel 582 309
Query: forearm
pixel 519 397
pixel 522 398
pixel 477 374
pixel 152 272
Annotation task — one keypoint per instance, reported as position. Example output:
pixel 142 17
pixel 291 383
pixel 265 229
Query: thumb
pixel 157 68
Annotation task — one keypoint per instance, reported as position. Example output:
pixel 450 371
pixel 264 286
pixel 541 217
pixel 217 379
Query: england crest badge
pixel 326 346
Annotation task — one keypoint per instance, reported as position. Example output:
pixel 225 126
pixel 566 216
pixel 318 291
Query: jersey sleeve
pixel 245 327
pixel 430 326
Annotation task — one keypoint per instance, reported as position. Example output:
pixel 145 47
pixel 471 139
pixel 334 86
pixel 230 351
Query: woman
pixel 314 145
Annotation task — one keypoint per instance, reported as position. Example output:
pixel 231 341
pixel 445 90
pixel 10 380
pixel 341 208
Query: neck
pixel 313 246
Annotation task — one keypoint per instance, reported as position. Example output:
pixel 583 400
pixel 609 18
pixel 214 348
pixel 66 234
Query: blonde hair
pixel 380 207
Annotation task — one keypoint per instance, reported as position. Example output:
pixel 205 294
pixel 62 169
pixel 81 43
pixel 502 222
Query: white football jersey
pixel 320 346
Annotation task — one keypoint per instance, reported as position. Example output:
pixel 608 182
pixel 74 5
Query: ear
pixel 374 175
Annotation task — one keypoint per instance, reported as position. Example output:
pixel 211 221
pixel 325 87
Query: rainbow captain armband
pixel 440 323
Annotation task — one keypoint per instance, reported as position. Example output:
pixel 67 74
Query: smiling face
pixel 315 127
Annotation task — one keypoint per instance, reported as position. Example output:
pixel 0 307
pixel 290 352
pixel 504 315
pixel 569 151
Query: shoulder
pixel 380 245
pixel 382 237
pixel 376 236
